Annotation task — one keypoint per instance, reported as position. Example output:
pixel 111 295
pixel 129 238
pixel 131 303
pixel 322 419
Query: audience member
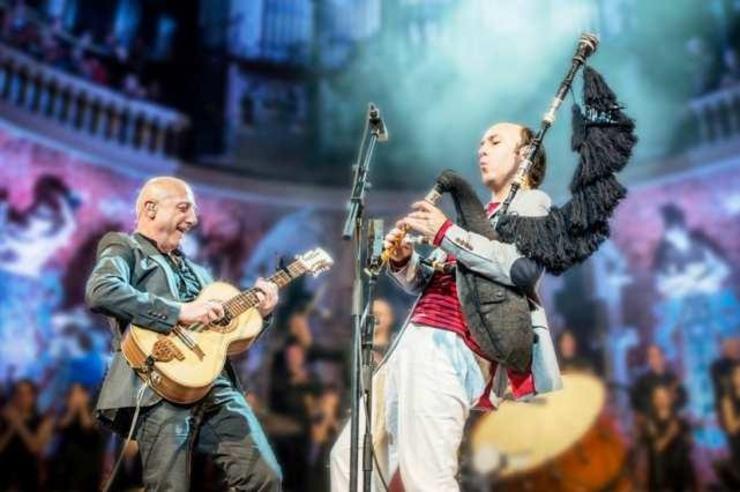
pixel 722 367
pixel 700 56
pixel 107 63
pixel 383 333
pixel 656 374
pixel 731 68
pixel 324 429
pixel 668 439
pixel 78 459
pixel 299 331
pixel 569 359
pixel 293 395
pixel 729 414
pixel 24 433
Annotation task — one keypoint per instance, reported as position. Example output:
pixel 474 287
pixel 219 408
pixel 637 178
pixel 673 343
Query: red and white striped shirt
pixel 439 307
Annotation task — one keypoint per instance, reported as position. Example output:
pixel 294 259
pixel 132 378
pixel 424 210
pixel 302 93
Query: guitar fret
pixel 248 299
pixel 281 278
pixel 277 279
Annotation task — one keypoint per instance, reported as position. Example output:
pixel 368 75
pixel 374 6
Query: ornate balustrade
pixel 79 108
pixel 716 116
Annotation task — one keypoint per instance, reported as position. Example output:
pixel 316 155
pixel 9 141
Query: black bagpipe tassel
pixel 604 136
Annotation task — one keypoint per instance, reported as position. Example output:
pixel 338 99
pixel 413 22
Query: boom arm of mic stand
pixel 357 200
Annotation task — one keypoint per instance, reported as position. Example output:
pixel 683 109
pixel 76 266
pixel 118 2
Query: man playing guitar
pixel 143 279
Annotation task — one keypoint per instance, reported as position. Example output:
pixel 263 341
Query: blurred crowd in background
pixel 62 447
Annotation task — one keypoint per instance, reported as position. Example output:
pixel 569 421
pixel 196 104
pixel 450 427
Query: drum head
pixel 521 436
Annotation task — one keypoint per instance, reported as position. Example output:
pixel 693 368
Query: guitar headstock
pixel 315 261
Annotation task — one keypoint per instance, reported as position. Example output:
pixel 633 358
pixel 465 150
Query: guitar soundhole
pixel 224 325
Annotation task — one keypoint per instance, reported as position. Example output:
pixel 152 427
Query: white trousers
pixel 431 381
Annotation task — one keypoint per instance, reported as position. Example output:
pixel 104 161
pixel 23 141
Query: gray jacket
pixel 133 283
pixel 504 264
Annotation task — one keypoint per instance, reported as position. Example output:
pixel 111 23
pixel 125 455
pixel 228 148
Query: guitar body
pixel 182 365
pixel 187 361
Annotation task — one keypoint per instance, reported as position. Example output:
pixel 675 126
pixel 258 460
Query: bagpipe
pixel 499 315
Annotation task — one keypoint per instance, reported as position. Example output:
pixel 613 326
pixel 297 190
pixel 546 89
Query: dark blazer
pixel 133 283
pixel 502 263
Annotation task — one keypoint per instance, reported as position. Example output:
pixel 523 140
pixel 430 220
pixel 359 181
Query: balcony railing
pixel 716 116
pixel 89 110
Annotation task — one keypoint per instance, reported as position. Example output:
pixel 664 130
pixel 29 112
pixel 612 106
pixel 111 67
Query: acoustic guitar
pixel 182 365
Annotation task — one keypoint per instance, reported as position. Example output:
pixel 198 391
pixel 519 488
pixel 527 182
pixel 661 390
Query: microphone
pixel 376 123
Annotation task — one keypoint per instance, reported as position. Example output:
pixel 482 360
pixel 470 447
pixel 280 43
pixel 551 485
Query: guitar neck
pixel 248 299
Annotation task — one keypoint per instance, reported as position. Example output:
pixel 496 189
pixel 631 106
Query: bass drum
pixel 561 441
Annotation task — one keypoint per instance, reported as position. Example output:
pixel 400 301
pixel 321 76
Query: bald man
pixel 144 279
pixel 435 372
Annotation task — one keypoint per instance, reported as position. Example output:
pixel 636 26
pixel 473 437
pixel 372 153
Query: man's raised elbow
pixel 91 299
pixel 95 296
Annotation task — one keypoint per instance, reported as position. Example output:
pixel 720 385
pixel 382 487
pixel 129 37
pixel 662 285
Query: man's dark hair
pixel 539 163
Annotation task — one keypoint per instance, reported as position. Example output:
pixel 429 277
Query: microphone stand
pixel 374 265
pixel 374 132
